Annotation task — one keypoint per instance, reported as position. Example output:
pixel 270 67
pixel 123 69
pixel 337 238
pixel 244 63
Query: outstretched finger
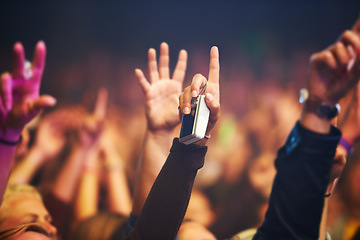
pixel 38 63
pixel 144 84
pixel 351 39
pixel 152 64
pixel 356 26
pixel 6 91
pixel 41 103
pixel 164 61
pixel 18 60
pixel 341 54
pixel 197 85
pixel 214 67
pixel 180 69
pixel 213 104
pixel 101 104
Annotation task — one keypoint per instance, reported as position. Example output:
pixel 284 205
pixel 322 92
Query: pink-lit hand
pixel 20 91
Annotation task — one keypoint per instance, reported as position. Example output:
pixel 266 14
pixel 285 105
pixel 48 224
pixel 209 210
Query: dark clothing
pixel 166 204
pixel 60 213
pixel 297 198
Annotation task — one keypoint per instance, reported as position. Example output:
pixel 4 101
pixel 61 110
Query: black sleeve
pixel 297 198
pixel 166 204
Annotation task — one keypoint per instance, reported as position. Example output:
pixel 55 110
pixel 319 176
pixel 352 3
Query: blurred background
pixel 264 50
pixel 96 43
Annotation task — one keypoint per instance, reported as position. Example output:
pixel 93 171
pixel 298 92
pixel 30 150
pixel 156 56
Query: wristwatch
pixel 317 106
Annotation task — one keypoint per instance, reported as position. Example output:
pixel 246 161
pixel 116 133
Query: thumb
pixel 42 102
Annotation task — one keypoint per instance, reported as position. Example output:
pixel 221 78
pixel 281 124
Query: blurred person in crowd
pixel 102 164
pixel 23 204
pixel 344 217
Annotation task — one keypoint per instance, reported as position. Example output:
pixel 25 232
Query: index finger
pixel 39 56
pixel 356 27
pixel 214 67
pixel 198 83
pixel 101 103
pixel 18 60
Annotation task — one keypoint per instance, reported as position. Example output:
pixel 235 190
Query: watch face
pixel 325 111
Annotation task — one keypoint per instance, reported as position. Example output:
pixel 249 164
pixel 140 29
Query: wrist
pixel 10 135
pixel 160 131
pixel 349 134
pixel 317 113
pixel 314 123
pixel 346 145
pixel 160 136
pixel 322 107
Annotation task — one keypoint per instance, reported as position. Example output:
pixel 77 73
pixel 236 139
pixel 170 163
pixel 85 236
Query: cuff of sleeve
pixel 314 142
pixel 191 156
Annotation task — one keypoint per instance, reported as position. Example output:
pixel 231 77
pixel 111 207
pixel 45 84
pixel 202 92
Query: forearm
pixel 155 151
pixel 6 157
pixel 303 173
pixel 86 201
pixel 119 197
pixel 67 180
pixel 314 123
pixel 168 199
pixel 26 169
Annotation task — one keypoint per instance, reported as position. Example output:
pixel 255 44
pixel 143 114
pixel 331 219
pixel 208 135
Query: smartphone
pixel 193 125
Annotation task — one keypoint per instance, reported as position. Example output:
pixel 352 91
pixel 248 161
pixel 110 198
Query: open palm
pixel 162 92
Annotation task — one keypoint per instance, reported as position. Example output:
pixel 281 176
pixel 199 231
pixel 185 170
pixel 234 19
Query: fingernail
pixel 52 100
pixel 194 93
pixel 358 51
pixel 186 110
pixel 209 97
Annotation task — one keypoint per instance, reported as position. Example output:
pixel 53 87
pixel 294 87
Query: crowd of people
pixel 107 173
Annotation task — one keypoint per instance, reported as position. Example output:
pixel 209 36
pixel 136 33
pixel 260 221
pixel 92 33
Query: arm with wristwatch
pixel 306 167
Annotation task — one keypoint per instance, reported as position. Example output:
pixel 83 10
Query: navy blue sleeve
pixel 303 170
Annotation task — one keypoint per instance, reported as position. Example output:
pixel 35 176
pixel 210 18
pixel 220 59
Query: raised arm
pixel 19 103
pixel 212 93
pixel 161 107
pixel 85 149
pixel 118 192
pixel 166 204
pixel 50 140
pixel 304 164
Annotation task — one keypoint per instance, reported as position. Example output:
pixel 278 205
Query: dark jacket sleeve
pixel 166 204
pixel 297 198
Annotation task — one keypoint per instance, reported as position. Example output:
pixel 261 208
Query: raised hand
pixel 20 99
pixel 336 69
pixel 19 103
pixel 92 125
pixel 212 93
pixel 162 92
pixel 332 73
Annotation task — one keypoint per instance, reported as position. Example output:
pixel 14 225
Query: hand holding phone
pixel 193 125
